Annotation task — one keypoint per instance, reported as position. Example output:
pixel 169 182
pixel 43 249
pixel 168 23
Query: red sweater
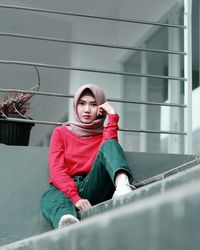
pixel 71 155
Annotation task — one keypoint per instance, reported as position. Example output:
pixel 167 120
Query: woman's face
pixel 87 108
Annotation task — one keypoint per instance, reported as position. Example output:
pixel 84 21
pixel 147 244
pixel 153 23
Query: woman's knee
pixel 110 143
pixel 112 146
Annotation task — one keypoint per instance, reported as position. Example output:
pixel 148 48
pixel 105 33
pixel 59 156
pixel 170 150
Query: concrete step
pixel 168 221
pixel 169 197
pixel 24 178
pixel 177 177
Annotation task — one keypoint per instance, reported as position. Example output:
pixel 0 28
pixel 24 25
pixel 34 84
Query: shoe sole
pixel 68 220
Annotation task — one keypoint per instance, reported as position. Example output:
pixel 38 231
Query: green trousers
pixel 97 186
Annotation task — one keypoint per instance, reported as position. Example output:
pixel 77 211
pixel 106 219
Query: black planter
pixel 15 133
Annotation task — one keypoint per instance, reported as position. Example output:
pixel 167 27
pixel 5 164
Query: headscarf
pixel 96 126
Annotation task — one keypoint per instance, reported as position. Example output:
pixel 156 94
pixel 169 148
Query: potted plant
pixel 16 105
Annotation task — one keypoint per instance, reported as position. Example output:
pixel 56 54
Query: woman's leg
pixel 54 204
pixel 99 184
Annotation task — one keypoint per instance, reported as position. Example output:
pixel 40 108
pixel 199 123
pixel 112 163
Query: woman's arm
pixel 111 129
pixel 59 175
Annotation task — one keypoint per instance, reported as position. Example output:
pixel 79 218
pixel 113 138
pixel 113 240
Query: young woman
pixel 86 163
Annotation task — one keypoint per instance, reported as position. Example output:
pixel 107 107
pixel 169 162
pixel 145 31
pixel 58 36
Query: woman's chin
pixel 86 121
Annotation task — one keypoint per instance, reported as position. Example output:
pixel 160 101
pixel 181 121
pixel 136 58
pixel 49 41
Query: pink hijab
pixel 94 128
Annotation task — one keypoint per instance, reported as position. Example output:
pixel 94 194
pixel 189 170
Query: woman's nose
pixel 87 108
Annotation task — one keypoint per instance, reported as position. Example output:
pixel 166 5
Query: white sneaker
pixel 123 187
pixel 66 220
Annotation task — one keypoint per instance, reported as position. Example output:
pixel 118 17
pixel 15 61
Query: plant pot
pixel 15 133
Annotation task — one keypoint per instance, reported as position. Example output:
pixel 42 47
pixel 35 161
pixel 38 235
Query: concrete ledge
pixel 22 180
pixel 190 175
pixel 24 177
pixel 160 222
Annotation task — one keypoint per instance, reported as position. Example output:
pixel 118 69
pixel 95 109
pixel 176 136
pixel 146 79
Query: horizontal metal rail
pixel 109 99
pixel 168 173
pixel 173 105
pixel 120 129
pixel 93 16
pixel 42 65
pixel 153 131
pixel 112 46
pixel 23 120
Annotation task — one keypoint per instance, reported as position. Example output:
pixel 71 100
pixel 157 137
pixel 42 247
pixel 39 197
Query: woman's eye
pixel 81 103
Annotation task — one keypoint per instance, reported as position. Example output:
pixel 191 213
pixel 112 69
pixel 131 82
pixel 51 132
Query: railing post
pixel 188 73
pixel 143 108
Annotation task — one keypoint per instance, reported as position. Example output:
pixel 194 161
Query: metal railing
pixel 187 57
pixel 102 45
pixel 93 16
pixel 111 72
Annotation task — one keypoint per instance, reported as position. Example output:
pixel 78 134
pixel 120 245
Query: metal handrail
pixel 93 16
pixel 43 65
pixel 109 99
pixel 95 70
pixel 112 100
pixel 188 73
pixel 112 46
pixel 120 129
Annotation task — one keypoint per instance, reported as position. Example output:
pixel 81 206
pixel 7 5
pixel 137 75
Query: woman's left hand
pixel 83 204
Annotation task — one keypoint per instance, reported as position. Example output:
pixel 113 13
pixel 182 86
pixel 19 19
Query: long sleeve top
pixel 71 155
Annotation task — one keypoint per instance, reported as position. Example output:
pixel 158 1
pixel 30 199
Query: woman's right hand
pixel 106 108
pixel 83 204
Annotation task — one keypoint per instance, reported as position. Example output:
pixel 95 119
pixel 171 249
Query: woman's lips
pixel 86 116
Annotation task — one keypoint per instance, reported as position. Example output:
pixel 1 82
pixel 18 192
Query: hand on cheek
pixel 100 111
pixel 106 108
